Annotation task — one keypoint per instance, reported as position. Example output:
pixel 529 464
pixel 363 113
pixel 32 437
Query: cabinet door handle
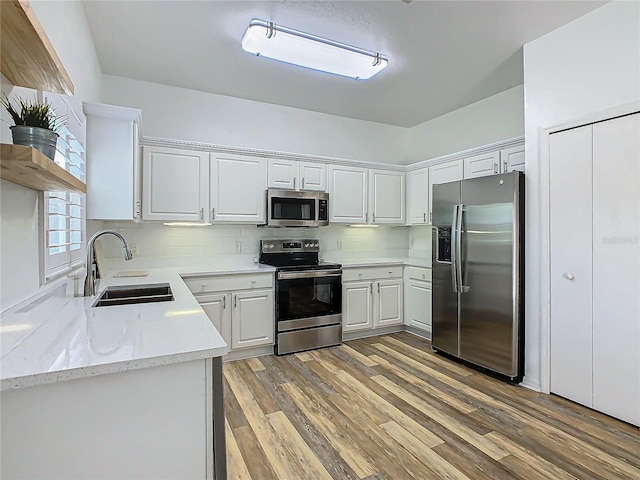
pixel 235 301
pixel 568 276
pixel 366 217
pixel 224 302
pixel 495 167
pixel 371 287
pixel 378 283
pixel 138 210
pixel 374 218
pixel 202 214
pixel 424 217
pixel 505 166
pixel 430 217
pixel 303 183
pixel 294 183
pixel 213 214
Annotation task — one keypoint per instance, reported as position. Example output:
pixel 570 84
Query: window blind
pixel 64 212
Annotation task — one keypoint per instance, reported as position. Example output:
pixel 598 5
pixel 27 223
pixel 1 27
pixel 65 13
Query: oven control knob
pixel 315 244
pixel 306 245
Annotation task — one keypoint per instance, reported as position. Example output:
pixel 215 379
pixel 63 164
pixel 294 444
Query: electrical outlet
pixel 238 247
pixel 339 245
pixel 133 247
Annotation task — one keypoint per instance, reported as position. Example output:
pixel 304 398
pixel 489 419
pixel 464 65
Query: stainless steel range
pixel 308 295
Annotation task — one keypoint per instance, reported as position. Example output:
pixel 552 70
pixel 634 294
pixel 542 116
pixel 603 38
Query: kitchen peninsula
pixel 76 378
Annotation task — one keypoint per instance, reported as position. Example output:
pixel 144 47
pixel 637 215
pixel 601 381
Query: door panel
pixel 445 299
pixel 252 320
pixel 348 198
pixel 233 200
pixel 218 309
pixel 282 174
pixel 571 242
pixel 313 176
pixel 616 267
pixel 482 165
pixel 387 196
pixel 389 304
pixel 357 311
pixel 487 335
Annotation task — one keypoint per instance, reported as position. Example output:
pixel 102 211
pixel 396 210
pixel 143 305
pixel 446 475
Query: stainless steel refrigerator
pixel 478 272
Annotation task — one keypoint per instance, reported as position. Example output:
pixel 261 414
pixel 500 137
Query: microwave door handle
pixel 454 250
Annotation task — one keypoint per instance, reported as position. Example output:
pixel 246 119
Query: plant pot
pixel 41 139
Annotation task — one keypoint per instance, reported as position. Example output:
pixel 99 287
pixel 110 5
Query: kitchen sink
pixel 132 294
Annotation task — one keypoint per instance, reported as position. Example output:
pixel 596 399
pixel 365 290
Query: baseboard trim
pixel 426 334
pixel 371 333
pixel 248 353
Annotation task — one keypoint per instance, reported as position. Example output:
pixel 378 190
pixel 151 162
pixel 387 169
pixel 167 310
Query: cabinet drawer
pixel 371 273
pixel 418 273
pixel 222 283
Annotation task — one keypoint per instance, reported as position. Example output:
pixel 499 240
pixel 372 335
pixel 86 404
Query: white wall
pixel 589 65
pixel 68 31
pixel 67 28
pixel 499 117
pixel 179 113
pixel 160 245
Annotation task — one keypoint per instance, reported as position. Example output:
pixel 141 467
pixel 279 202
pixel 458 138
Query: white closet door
pixel 571 266
pixel 616 267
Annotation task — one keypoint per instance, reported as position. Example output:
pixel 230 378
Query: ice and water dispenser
pixel 444 245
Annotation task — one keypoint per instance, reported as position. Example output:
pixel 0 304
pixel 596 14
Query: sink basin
pixel 131 294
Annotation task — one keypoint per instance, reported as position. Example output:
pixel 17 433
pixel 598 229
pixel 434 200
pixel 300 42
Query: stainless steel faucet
pixel 90 281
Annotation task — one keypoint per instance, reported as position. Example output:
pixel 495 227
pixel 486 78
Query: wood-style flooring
pixel 388 408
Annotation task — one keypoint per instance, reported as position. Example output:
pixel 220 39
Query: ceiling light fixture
pixel 267 39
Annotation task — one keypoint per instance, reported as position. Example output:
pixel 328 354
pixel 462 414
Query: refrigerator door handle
pixel 461 286
pixel 454 250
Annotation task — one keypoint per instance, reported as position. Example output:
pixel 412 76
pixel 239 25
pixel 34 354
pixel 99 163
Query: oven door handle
pixel 309 274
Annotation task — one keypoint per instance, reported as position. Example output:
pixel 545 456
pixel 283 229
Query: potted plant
pixel 36 125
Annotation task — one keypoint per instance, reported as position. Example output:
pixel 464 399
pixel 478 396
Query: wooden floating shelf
pixel 28 57
pixel 28 167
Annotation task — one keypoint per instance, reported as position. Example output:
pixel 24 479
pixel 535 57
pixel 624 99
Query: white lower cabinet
pixel 252 319
pixel 372 297
pixel 417 298
pixel 357 306
pixel 125 425
pixel 239 306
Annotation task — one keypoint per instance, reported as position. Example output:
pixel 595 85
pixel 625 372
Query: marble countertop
pixel 64 337
pixel 352 262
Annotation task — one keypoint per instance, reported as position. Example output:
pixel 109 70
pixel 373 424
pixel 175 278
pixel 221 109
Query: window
pixel 64 212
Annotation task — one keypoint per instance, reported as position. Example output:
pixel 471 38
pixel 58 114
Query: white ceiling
pixel 442 55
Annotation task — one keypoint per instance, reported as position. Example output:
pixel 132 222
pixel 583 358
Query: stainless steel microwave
pixel 288 208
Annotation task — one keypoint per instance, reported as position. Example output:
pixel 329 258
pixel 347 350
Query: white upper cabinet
pixel 114 169
pixel 386 202
pixel 482 165
pixel 295 175
pixel 175 184
pixel 358 195
pixel 443 173
pixel 348 195
pixel 417 204
pixel 238 186
pixel 313 176
pixel 512 159
pixel 282 174
pixel 491 163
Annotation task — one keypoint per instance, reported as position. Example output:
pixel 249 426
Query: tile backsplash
pixel 172 245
